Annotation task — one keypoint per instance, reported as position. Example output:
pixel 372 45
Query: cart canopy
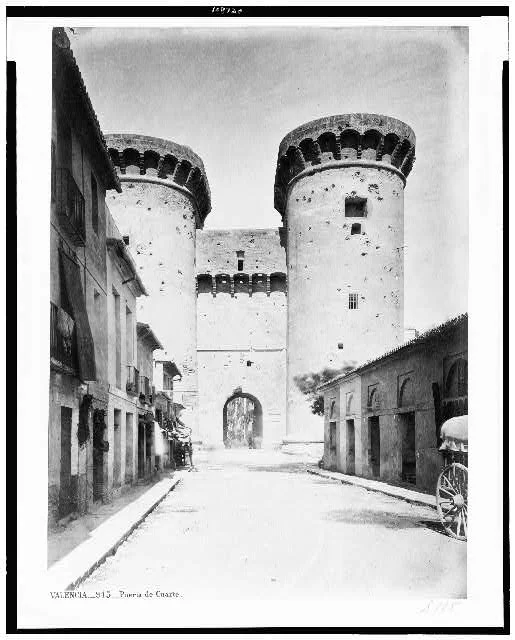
pixel 454 434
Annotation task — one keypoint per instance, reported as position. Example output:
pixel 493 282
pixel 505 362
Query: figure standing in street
pixel 182 434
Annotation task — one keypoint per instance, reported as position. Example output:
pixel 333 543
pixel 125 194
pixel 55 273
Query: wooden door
pixel 65 488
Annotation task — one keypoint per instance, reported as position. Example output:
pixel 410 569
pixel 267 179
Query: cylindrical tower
pixel 165 199
pixel 339 188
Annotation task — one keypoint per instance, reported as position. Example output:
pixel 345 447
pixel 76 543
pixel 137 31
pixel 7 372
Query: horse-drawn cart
pixel 452 485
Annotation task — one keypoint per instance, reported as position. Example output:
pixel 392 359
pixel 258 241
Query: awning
pixel 158 440
pixel 170 368
pixel 85 345
pixel 455 430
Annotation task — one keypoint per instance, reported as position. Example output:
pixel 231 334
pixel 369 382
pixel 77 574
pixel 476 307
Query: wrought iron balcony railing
pixel 132 385
pixel 63 339
pixel 70 205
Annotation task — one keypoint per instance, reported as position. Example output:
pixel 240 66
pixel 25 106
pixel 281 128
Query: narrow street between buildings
pixel 254 525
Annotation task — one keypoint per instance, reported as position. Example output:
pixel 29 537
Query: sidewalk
pixel 88 541
pixel 415 497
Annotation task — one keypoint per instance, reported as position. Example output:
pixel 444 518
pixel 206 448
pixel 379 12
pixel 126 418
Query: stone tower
pixel 165 199
pixel 339 188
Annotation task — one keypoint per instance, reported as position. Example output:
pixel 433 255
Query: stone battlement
pixel 162 161
pixel 241 283
pixel 333 141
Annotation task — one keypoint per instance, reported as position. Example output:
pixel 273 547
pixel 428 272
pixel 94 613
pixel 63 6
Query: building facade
pixel 81 173
pixel 148 429
pixel 101 427
pixel 339 188
pixel 165 374
pixel 241 331
pixel 383 419
pixel 124 287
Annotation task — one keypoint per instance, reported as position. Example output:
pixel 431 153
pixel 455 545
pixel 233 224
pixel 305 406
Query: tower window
pixel 355 207
pixel 355 228
pixel 240 255
pixel 353 300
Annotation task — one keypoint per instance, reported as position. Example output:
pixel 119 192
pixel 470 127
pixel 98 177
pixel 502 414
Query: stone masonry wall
pixel 241 338
pixel 424 365
pixel 326 262
pixel 160 223
pixel 216 251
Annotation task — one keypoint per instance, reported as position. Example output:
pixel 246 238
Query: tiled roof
pixel 124 254
pixel 61 44
pixel 170 367
pixel 430 334
pixel 145 333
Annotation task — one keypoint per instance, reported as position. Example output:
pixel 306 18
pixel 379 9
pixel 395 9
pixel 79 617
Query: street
pixel 256 525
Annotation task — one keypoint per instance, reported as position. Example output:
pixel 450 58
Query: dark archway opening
pixel 243 421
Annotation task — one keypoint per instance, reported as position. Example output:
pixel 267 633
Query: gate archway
pixel 242 429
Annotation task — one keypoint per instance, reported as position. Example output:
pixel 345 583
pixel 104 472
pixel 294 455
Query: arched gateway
pixel 243 421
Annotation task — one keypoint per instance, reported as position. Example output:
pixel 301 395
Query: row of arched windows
pixel 455 386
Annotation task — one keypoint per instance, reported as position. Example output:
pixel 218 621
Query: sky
pixel 233 94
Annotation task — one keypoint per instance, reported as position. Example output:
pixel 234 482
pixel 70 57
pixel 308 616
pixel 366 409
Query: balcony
pixel 144 390
pixel 132 385
pixel 63 340
pixel 70 208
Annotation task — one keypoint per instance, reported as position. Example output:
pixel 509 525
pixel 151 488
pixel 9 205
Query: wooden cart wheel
pixel 452 500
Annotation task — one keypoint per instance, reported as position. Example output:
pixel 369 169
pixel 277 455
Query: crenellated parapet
pixel 139 158
pixel 241 283
pixel 342 140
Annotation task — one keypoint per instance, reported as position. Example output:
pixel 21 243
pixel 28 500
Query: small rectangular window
pixel 353 300
pixel 240 256
pixel 94 204
pixel 355 207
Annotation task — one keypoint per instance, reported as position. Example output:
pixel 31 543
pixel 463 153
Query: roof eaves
pixel 62 43
pixel 430 334
pixel 337 379
pixel 124 253
pixel 145 333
